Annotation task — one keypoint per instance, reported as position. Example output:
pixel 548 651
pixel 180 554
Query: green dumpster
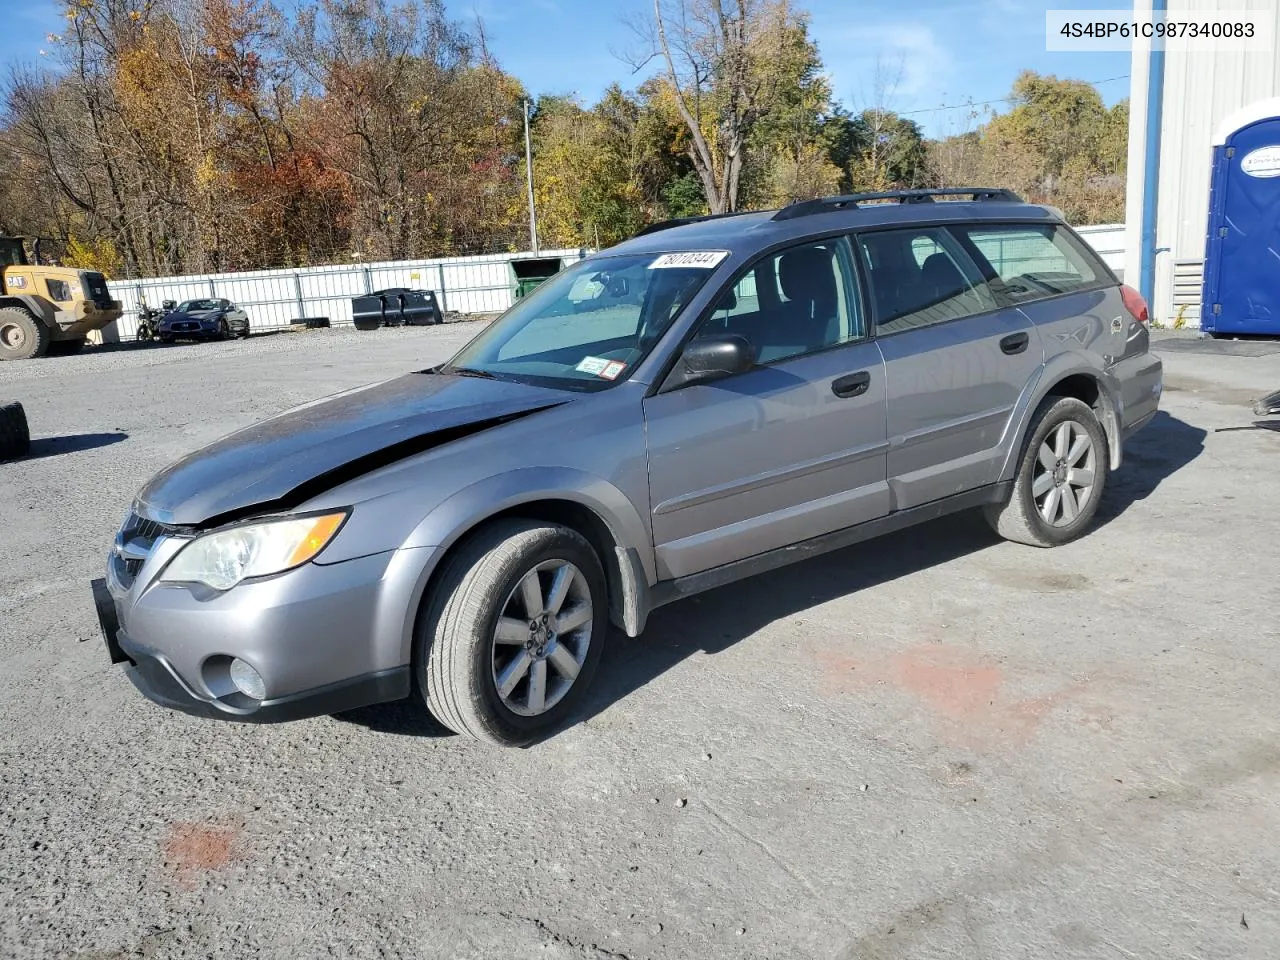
pixel 528 272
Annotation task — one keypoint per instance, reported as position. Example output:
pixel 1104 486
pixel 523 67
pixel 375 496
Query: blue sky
pixel 931 53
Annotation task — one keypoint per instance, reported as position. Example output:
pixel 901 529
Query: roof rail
pixel 683 221
pixel 851 201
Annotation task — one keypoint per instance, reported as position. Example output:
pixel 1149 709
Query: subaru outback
pixel 709 400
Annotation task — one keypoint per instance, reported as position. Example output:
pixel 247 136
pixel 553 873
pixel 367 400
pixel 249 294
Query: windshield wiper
pixel 472 372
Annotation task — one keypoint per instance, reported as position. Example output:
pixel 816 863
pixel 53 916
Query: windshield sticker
pixel 611 371
pixel 592 365
pixel 703 259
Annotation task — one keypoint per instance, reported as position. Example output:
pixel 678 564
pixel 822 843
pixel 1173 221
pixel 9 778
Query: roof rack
pixel 851 201
pixel 683 221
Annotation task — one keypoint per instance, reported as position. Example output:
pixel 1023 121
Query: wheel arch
pixel 1084 383
pixel 596 510
pixel 38 307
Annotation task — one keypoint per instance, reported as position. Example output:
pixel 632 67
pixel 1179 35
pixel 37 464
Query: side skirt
pixel 667 591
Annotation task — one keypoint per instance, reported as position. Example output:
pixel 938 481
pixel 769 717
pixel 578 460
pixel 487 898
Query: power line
pixel 987 103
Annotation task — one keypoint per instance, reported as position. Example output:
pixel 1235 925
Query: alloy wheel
pixel 542 637
pixel 1064 475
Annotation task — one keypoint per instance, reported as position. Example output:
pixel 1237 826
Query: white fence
pixel 1107 241
pixel 273 298
pixel 482 284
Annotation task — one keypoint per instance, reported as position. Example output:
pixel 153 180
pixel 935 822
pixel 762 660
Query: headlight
pixel 224 558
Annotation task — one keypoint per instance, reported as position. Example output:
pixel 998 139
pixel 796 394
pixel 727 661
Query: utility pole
pixel 528 169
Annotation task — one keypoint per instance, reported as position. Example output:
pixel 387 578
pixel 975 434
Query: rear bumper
pixel 1141 383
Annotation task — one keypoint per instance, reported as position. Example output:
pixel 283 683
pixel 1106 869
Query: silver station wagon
pixel 707 401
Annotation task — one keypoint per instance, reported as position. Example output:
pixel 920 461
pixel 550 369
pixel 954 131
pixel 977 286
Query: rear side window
pixel 1032 261
pixel 921 276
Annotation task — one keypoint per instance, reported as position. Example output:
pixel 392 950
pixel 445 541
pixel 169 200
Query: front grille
pixel 184 327
pixel 139 535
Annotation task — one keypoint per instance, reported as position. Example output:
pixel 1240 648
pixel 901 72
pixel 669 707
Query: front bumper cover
pixel 157 680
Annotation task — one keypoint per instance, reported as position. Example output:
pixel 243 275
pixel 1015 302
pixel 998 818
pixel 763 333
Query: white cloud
pixel 898 62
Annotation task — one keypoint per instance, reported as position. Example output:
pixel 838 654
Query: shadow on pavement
pixel 1156 452
pixel 714 621
pixel 73 443
pixel 408 718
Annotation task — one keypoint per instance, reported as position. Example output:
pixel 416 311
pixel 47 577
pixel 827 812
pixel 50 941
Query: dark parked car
pixel 739 393
pixel 207 319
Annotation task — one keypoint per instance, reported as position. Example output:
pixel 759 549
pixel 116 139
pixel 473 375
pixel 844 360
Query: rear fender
pixel 1044 383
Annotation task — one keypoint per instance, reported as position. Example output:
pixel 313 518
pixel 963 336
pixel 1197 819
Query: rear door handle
pixel 1014 343
pixel 852 385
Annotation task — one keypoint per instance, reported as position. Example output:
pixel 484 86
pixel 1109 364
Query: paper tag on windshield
pixel 703 259
pixel 592 365
pixel 612 369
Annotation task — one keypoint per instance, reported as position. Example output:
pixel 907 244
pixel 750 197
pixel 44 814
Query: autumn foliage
pixel 193 136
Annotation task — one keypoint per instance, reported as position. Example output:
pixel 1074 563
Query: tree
pixel 726 67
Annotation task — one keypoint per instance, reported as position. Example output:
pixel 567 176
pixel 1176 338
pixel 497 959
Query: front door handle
pixel 1014 343
pixel 852 385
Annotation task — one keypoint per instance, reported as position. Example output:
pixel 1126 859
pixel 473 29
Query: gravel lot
pixel 933 745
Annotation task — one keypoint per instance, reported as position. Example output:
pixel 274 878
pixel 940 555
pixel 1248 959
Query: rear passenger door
pixel 956 362
pixel 1056 280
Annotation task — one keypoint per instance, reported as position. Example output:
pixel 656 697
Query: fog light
pixel 247 680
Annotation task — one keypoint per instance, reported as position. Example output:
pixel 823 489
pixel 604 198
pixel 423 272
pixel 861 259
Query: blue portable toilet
pixel 1241 292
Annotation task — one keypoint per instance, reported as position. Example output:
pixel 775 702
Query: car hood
pixel 285 460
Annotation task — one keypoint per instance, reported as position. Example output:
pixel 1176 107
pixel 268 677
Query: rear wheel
pixel 22 335
pixel 513 632
pixel 15 436
pixel 1060 477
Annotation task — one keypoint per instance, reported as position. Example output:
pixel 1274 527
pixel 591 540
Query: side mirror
pixel 715 357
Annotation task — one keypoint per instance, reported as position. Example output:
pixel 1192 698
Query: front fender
pixel 414 564
pixel 1041 385
pixel 446 523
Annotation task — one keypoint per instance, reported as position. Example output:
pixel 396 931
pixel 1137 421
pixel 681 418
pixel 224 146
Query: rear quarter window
pixel 1032 261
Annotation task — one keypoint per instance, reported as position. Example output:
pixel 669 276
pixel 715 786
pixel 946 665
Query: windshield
pixel 189 305
pixel 590 324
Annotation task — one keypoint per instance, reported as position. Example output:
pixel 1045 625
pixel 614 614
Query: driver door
pixel 789 450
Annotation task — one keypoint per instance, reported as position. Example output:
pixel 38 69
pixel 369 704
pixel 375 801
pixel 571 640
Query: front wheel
pixel 513 632
pixel 1060 477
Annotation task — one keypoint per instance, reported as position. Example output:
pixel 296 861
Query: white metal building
pixel 1202 94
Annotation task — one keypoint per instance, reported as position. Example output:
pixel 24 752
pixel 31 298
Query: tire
pixel 458 658
pixel 146 334
pixel 65 348
pixel 224 330
pixel 22 335
pixel 1060 422
pixel 15 436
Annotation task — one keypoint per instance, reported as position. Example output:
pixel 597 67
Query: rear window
pixel 1032 261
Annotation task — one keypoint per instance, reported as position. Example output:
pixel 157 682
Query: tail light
pixel 1134 303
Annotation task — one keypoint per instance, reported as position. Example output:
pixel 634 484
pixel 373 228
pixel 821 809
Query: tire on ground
pixel 1019 519
pixel 15 436
pixel 22 334
pixel 453 643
